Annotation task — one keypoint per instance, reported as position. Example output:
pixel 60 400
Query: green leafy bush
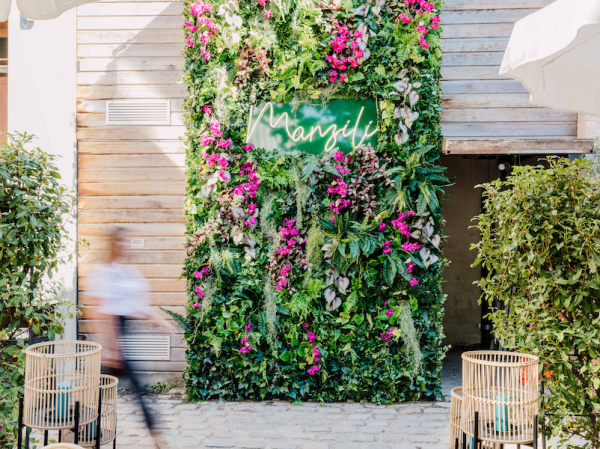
pixel 541 244
pixel 33 209
pixel 313 277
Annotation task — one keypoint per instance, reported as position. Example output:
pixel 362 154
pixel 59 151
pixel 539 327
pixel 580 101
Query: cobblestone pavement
pixel 282 425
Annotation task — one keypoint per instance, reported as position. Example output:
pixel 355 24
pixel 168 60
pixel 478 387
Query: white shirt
pixel 122 290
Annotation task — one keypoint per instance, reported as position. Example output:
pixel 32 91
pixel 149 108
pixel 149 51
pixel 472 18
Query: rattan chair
pixel 108 417
pixel 501 390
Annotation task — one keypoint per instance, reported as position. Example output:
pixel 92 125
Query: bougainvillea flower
pixel 413 282
pixel 268 14
pixel 382 226
pixel 389 312
pixel 247 147
pixel 195 306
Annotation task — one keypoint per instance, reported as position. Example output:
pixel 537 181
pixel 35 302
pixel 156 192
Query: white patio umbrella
pixel 39 9
pixel 555 54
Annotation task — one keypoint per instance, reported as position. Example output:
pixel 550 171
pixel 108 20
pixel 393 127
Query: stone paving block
pixel 188 442
pixel 265 435
pixel 315 446
pixel 333 436
pixel 318 429
pixel 281 445
pixel 186 407
pixel 391 438
pixel 405 446
pixel 372 430
pixel 422 439
pixel 347 446
pixel 257 444
pixel 300 435
pixel 344 429
pixel 219 443
pixel 378 446
pixel 361 437
pixel 196 433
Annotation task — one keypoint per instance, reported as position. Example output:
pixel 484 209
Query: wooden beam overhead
pixel 525 146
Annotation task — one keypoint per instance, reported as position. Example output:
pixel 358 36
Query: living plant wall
pixel 314 271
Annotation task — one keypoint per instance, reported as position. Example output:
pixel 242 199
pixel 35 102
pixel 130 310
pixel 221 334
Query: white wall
pixel 42 101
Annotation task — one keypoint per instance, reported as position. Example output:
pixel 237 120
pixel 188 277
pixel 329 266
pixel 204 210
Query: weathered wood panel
pixel 478 103
pixel 517 146
pixel 124 78
pixel 132 176
pixel 131 160
pixel 132 188
pixel 124 63
pixel 162 36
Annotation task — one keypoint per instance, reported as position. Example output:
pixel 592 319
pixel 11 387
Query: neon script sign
pixel 344 124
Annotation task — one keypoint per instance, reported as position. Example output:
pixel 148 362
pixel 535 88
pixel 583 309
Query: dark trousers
pixel 125 372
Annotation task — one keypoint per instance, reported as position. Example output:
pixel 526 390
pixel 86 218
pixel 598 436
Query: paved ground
pixel 278 424
pixel 282 425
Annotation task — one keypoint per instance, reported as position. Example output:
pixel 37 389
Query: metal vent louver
pixel 146 347
pixel 138 112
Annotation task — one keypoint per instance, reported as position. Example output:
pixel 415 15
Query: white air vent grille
pixel 146 347
pixel 138 112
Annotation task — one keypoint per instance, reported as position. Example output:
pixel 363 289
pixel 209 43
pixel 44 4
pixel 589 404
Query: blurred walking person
pixel 121 293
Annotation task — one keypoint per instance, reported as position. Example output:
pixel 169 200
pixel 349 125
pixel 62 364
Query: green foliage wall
pixel 313 277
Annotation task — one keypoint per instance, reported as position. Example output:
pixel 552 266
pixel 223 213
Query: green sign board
pixel 344 124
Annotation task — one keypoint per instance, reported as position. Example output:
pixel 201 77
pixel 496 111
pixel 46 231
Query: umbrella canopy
pixel 555 54
pixel 39 9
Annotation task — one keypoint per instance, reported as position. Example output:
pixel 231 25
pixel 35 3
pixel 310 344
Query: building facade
pixel 132 174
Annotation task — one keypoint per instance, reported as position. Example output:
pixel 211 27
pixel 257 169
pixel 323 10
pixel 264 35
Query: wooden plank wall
pixel 478 102
pixel 132 176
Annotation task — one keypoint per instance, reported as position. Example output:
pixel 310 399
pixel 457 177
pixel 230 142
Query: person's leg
pixel 137 390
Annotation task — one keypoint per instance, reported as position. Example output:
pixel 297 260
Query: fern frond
pixel 183 322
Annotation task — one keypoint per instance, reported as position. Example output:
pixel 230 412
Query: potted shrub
pixel 540 242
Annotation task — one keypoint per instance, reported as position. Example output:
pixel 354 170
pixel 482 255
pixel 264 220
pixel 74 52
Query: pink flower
pixel 342 171
pixel 339 156
pixel 207 56
pixel 195 306
pixel 338 45
pixel 312 371
pixel 413 282
pixel 247 147
pixel 224 143
pixel 411 246
pixel 310 336
pixel 387 247
pixel 410 266
pixel 343 76
pixel 382 226
pixel 423 43
pixel 268 14
pixel 251 208
pixel 353 62
pixel 332 219
pixel 387 301
pixel 410 213
pixel 357 35
pixel 249 327
pixel 245 349
pixel 435 23
pixel 207 109
pixel 421 29
pixel 262 2
pixel 199 292
pixel 389 312
pixel 304 326
pixel 189 41
pixel 332 76
pixel 191 26
pixel 405 19
pixel 206 140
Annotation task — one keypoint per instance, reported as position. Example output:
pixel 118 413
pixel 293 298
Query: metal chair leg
pixel 99 421
pixel 476 431
pixel 45 438
pixel 20 425
pixel 535 430
pixel 60 436
pixel 76 427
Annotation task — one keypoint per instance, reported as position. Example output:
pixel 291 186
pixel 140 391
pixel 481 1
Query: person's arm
pixel 155 316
